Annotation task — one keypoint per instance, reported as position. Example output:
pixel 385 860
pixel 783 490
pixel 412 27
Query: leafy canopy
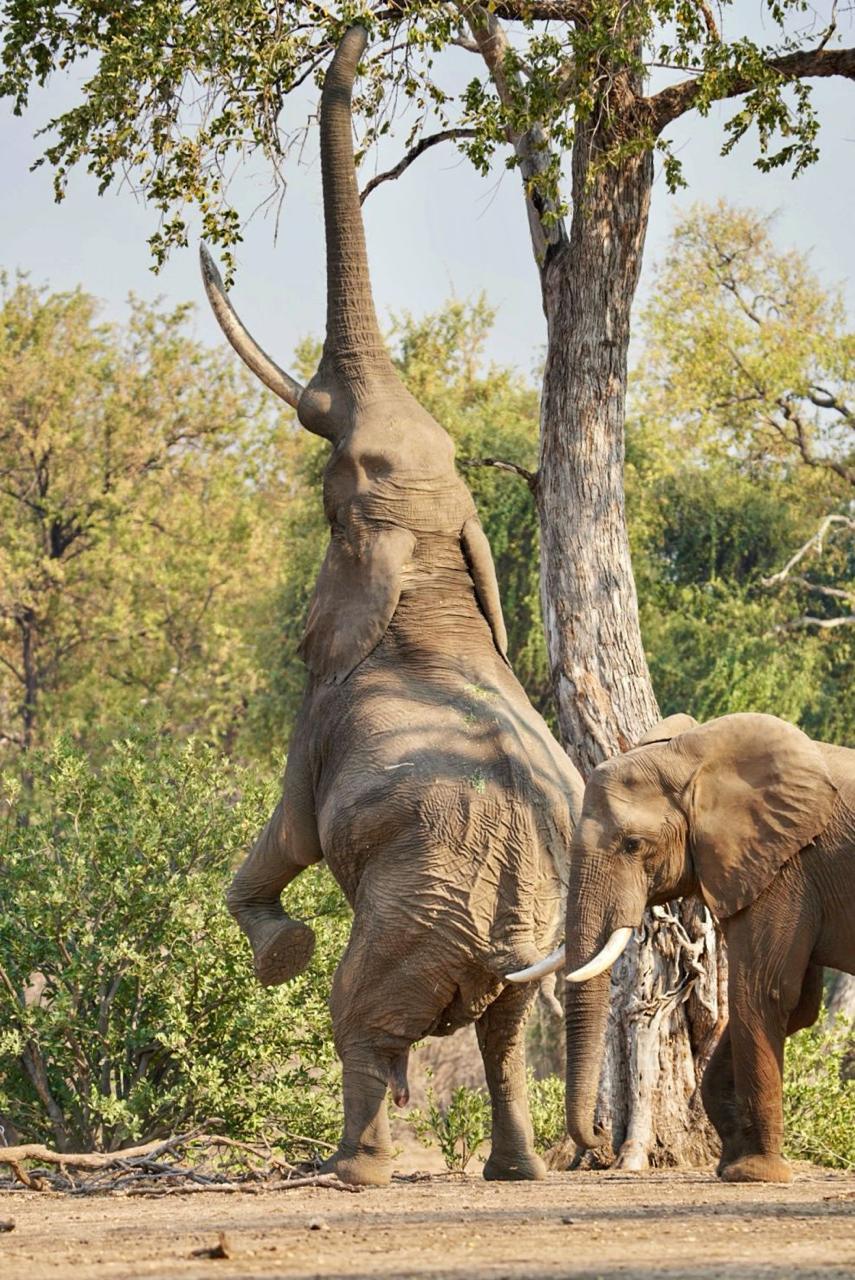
pixel 172 93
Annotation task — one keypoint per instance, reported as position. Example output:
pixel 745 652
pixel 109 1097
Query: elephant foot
pixel 526 1168
pixel 757 1168
pixel 360 1169
pixel 283 950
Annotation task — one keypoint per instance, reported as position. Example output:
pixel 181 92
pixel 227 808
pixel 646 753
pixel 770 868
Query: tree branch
pixel 814 542
pixel 823 624
pixel 531 147
pixel 667 105
pixel 709 20
pixel 792 415
pixel 429 140
pixel 530 477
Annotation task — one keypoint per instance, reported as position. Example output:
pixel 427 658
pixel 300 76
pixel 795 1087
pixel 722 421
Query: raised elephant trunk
pixel 354 347
pixel 355 360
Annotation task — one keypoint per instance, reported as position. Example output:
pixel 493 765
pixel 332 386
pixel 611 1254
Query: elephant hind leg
pixel 719 1096
pixel 501 1037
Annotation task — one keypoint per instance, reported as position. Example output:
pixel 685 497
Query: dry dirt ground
pixel 607 1225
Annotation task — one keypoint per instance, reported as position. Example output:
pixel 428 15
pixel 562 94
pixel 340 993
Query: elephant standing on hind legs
pixel 418 770
pixel 760 821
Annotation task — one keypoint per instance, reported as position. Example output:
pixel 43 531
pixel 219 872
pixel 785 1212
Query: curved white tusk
pixel 603 960
pixel 279 382
pixel 540 969
pixel 615 946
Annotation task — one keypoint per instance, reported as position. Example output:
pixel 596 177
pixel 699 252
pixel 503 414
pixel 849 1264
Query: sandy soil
pixel 606 1225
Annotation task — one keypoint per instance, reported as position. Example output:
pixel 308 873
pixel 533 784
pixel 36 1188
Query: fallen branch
pixel 180 1165
pixel 13 1156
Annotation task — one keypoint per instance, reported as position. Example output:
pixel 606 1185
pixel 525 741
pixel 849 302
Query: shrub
pixel 819 1099
pixel 458 1128
pixel 128 1008
pixel 546 1102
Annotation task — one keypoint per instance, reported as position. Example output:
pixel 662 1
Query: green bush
pixel 546 1103
pixel 819 1095
pixel 458 1128
pixel 128 1008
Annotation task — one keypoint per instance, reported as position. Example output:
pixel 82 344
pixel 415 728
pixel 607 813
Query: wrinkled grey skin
pixel 418 770
pixel 757 819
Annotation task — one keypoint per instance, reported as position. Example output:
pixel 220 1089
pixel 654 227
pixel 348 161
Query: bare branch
pixel 818 589
pixel 824 399
pixel 814 543
pixel 792 415
pixel 822 624
pixel 530 477
pixel 429 140
pixel 667 105
pixel 709 20
pixel 830 29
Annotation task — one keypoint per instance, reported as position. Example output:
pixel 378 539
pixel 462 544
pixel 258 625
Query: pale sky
pixel 439 231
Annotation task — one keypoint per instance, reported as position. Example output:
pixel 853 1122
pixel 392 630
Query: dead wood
pixel 178 1165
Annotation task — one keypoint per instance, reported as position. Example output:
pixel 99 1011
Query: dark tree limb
pixel 429 140
pixel 671 103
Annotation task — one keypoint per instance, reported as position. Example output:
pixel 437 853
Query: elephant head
pixel 714 809
pixel 390 485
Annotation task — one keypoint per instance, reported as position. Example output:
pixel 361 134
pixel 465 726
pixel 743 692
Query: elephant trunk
pixel 602 909
pixel 354 350
pixel 586 1012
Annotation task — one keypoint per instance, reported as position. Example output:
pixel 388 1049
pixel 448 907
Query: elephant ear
pixel 667 729
pixel 761 792
pixel 356 594
pixel 479 558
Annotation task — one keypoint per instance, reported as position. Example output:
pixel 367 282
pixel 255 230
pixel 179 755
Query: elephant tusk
pixel 604 959
pixel 540 969
pixel 279 382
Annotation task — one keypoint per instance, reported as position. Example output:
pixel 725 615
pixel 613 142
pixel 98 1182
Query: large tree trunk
pixel 664 1005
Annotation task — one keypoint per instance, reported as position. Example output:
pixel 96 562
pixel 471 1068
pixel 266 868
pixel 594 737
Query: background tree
pixel 175 90
pixel 136 474
pixel 740 481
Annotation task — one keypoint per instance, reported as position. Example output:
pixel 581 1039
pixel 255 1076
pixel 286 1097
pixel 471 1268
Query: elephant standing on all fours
pixel 760 821
pixel 418 769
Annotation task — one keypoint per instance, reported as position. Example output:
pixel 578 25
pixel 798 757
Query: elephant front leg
pixel 501 1032
pixel 281 946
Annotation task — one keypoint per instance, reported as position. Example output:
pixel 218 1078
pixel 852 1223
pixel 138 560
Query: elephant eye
pixel 631 844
